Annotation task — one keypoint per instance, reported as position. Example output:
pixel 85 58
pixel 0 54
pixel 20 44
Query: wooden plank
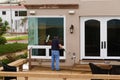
pixel 17 63
pixel 59 75
pixel 51 6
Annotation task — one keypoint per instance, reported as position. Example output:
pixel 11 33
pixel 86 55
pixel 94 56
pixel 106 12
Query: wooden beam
pixel 61 75
pixel 30 53
pixel 52 6
pixel 18 63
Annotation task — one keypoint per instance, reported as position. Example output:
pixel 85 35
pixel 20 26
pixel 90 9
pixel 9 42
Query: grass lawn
pixel 19 37
pixel 10 48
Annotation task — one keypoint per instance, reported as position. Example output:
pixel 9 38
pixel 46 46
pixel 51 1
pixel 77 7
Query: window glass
pixel 38 52
pixel 113 37
pixel 3 12
pixel 16 13
pixel 42 30
pixel 22 13
pixel 33 31
pixel 92 38
pixel 48 28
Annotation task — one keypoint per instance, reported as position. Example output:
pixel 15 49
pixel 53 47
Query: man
pixel 55 53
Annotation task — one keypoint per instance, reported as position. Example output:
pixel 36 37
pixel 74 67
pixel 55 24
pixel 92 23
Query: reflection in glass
pixel 48 28
pixel 33 31
pixel 92 38
pixel 113 37
pixel 38 52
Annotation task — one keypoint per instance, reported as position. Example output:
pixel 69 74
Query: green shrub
pixel 2 40
pixel 22 56
pixel 6 61
pixel 11 58
pixel 11 48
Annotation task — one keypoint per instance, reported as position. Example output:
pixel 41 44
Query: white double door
pixel 100 37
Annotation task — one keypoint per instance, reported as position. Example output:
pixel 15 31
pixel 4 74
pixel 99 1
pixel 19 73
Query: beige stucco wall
pixel 100 8
pixel 86 8
pixel 72 40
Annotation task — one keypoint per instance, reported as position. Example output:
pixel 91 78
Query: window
pixel 3 12
pixel 16 13
pixel 47 28
pixel 113 37
pixel 38 52
pixel 41 32
pixel 20 13
pixel 92 38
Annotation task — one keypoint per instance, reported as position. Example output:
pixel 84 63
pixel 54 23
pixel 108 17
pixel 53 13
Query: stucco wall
pixel 72 40
pixel 87 7
pixel 100 8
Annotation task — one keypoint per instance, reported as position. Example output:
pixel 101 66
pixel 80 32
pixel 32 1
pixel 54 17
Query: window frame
pixel 48 47
pixel 18 13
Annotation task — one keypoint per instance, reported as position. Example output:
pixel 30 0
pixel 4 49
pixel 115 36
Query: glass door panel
pixel 92 38
pixel 113 38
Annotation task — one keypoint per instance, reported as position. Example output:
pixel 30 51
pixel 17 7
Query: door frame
pixel 103 37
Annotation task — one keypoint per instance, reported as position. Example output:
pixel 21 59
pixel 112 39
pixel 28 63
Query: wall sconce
pixel 71 29
pixel 71 12
pixel 32 12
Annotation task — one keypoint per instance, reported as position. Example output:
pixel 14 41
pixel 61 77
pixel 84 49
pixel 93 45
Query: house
pixel 88 29
pixel 13 1
pixel 15 15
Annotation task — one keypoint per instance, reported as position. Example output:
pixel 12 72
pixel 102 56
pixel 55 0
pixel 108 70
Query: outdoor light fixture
pixel 32 12
pixel 71 12
pixel 71 29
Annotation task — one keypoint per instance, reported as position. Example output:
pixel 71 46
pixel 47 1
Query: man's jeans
pixel 55 58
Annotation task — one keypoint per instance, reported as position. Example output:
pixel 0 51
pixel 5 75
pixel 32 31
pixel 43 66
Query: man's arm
pixel 61 47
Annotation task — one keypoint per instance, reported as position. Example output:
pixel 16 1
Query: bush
pixel 11 57
pixel 11 48
pixel 23 56
pixel 2 40
pixel 6 61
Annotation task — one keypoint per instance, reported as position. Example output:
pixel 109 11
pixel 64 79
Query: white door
pixel 100 37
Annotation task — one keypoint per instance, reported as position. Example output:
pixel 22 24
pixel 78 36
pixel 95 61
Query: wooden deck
pixel 45 73
pixel 76 72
